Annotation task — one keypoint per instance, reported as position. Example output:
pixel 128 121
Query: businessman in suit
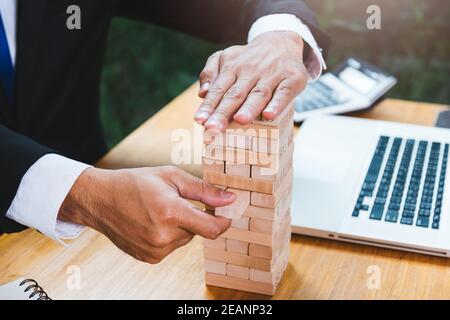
pixel 50 130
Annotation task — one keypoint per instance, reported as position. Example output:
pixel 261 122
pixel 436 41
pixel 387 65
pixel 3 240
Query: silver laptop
pixel 373 182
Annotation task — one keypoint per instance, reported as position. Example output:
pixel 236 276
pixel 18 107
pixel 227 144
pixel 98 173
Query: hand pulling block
pixel 241 223
pixel 237 208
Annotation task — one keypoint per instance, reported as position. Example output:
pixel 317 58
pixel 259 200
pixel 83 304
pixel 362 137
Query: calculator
pixel 354 85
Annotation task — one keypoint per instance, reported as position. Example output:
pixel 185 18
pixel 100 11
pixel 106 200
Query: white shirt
pixel 47 182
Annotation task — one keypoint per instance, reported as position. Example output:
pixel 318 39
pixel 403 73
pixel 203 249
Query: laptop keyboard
pixel 317 95
pixel 405 182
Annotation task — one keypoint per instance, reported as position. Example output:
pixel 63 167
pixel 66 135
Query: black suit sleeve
pixel 223 21
pixel 17 155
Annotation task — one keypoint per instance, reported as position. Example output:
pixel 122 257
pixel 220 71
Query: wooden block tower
pixel 254 162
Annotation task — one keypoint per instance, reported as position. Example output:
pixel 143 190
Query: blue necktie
pixel 6 67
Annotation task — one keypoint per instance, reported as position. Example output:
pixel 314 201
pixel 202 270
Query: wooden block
pixel 238 271
pixel 239 259
pixel 219 243
pixel 210 161
pixel 244 183
pixel 231 140
pixel 269 213
pixel 215 266
pixel 260 225
pixel 239 141
pixel 241 170
pixel 269 252
pixel 270 200
pixel 278 172
pixel 236 246
pixel 237 208
pixel 256 237
pixel 223 281
pixel 274 146
pixel 249 236
pixel 240 156
pixel 241 223
pixel 254 130
pixel 260 144
pixel 214 166
pixel 261 276
pixel 269 226
pixel 274 276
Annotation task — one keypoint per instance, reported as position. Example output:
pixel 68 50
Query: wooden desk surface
pixel 318 269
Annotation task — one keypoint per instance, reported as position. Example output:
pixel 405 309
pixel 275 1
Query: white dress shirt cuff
pixel 314 63
pixel 41 193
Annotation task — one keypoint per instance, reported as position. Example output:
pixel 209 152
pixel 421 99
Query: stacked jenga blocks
pixel 255 163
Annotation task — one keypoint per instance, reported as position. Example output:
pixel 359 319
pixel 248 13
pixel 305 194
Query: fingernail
pixel 242 116
pixel 269 113
pixel 214 124
pixel 227 195
pixel 201 116
pixel 243 113
pixel 204 86
pixel 270 108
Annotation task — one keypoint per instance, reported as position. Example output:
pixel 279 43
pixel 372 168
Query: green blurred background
pixel 147 66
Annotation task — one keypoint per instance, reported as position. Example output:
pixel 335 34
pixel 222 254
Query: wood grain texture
pixel 216 166
pixel 269 252
pixel 270 213
pixel 317 269
pixel 238 182
pixel 271 200
pixel 238 271
pixel 219 243
pixel 242 170
pixel 241 156
pixel 215 267
pixel 237 246
pixel 241 223
pixel 218 280
pixel 239 259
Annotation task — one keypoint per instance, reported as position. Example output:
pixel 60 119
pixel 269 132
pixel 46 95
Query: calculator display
pixel 357 80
